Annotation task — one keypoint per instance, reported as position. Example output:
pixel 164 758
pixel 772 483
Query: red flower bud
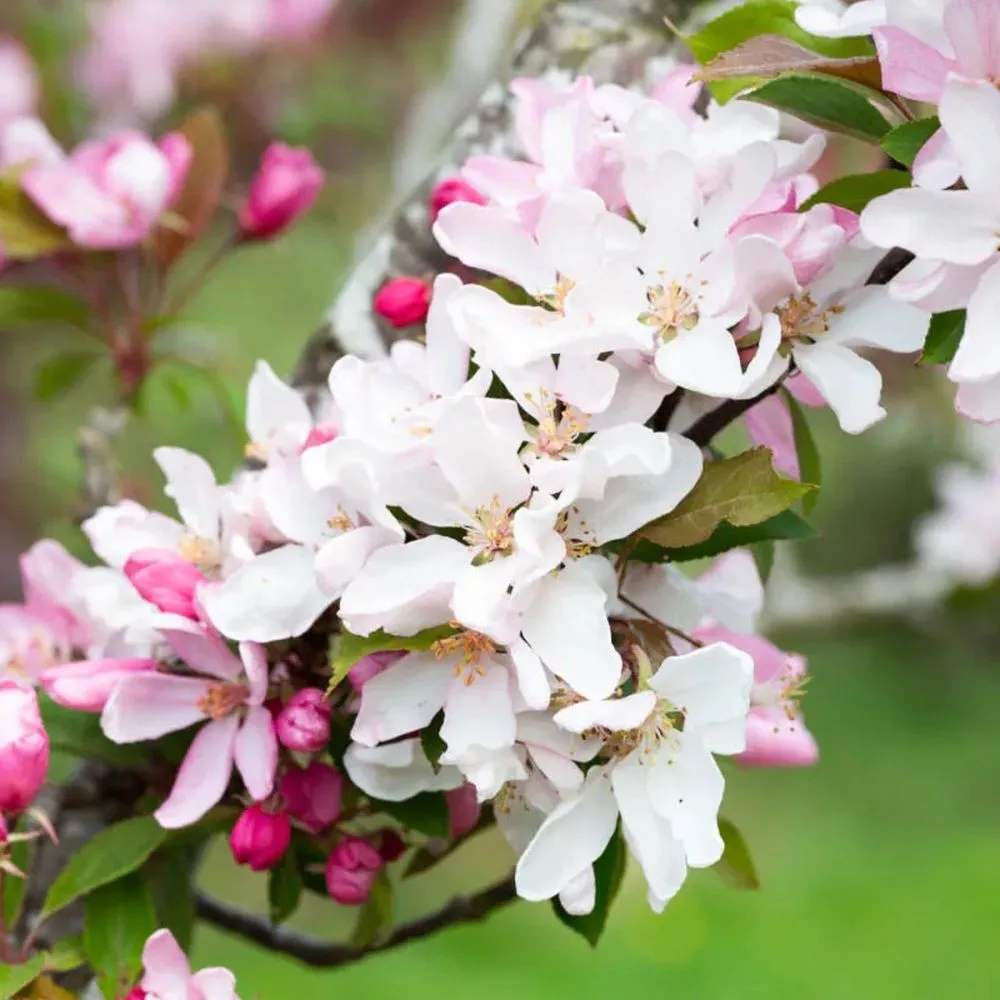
pixel 285 188
pixel 259 839
pixel 403 301
pixel 24 747
pixel 313 796
pixel 463 809
pixel 351 871
pixel 165 579
pixel 304 723
pixel 451 190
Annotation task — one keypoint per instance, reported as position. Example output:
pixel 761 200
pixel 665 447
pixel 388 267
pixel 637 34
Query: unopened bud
pixel 351 871
pixel 24 747
pixel 403 301
pixel 166 579
pixel 313 795
pixel 285 188
pixel 259 838
pixel 450 191
pixel 304 723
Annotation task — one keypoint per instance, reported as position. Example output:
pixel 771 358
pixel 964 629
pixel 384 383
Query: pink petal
pixel 254 658
pixel 777 742
pixel 256 752
pixel 198 648
pixel 202 779
pixel 167 968
pixel 973 28
pixel 770 423
pixel 145 706
pixel 215 984
pixel 910 67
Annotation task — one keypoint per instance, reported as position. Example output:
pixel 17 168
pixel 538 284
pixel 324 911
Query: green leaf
pixel 118 918
pixel 38 304
pixel 25 232
pixel 943 337
pixel 431 742
pixel 509 292
pixel 426 813
pixel 377 915
pixel 284 889
pixel 736 865
pixel 65 955
pixel 349 649
pixel 60 374
pixel 168 875
pixel 856 190
pixel 831 104
pixel 906 140
pixel 14 978
pixel 112 854
pixel 19 852
pixel 763 556
pixel 609 873
pixel 810 470
pixel 742 491
pixel 80 734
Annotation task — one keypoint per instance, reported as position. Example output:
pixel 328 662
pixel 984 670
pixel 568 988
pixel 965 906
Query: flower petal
pixel 255 752
pixel 618 714
pixel 146 706
pixel 191 484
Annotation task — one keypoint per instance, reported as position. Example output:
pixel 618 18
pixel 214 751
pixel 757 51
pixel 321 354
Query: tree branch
pixel 705 428
pixel 325 955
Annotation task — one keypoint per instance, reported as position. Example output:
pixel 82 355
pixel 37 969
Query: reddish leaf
pixel 767 56
pixel 199 199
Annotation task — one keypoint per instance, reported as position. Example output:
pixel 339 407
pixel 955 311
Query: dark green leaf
pixel 284 888
pixel 21 304
pixel 61 373
pixel 426 813
pixel 431 742
pixel 168 875
pixel 763 556
pixel 823 101
pixel 349 649
pixel 906 140
pixel 118 918
pixel 736 866
pixel 743 491
pixel 65 955
pixel 13 978
pixel 856 190
pixel 609 873
pixel 112 854
pixel 79 733
pixel 810 470
pixel 377 915
pixel 943 337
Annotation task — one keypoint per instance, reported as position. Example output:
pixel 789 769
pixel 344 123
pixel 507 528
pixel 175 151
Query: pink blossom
pixel 287 185
pixel 351 870
pixel 463 809
pixel 371 666
pixel 165 578
pixel 86 686
pixel 304 723
pixel 19 82
pixel 239 729
pixel 448 191
pixel 167 974
pixel 769 423
pixel 403 301
pixel 313 795
pixel 298 19
pixel 259 838
pixel 320 434
pixel 24 747
pixel 110 194
pixel 48 575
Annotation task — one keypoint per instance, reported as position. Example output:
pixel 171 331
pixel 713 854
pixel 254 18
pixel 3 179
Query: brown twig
pixel 326 955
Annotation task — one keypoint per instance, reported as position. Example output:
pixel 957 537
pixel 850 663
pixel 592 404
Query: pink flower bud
pixel 24 747
pixel 166 579
pixel 313 796
pixel 463 809
pixel 4 831
pixel 392 846
pixel 403 301
pixel 451 190
pixel 136 993
pixel 259 838
pixel 371 666
pixel 320 434
pixel 86 686
pixel 304 723
pixel 351 871
pixel 285 188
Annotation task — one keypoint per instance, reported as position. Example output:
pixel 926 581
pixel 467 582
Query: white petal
pixel 396 771
pixel 191 484
pixel 339 560
pixel 275 411
pixel 703 359
pixel 447 356
pixel 850 384
pixel 979 401
pixel 970 116
pixel 478 714
pixel 256 752
pixel 873 319
pixel 146 706
pixel 579 897
pixel 618 714
pixel 978 355
pixel 532 680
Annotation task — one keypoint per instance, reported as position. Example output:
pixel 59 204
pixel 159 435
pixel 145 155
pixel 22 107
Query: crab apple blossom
pixel 287 185
pixel 167 974
pixel 403 301
pixel 24 747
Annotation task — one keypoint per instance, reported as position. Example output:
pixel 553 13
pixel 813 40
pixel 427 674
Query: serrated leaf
pixel 736 865
pixel 14 978
pixel 168 876
pixel 25 232
pixel 830 104
pixel 740 491
pixel 856 190
pixel 65 955
pixel 80 734
pixel 810 469
pixel 377 914
pixel 284 888
pixel 349 649
pixel 609 873
pixel 426 813
pixel 61 373
pixel 943 337
pixel 199 198
pixel 118 919
pixel 21 304
pixel 431 742
pixel 114 853
pixel 768 56
pixel 906 140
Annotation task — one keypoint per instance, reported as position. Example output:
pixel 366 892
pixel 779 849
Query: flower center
pixel 221 699
pixel 492 534
pixel 659 727
pixel 341 522
pixel 201 552
pixel 803 320
pixel 672 308
pixel 470 647
pixel 576 533
pixel 785 692
pixel 558 427
pixel 557 298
